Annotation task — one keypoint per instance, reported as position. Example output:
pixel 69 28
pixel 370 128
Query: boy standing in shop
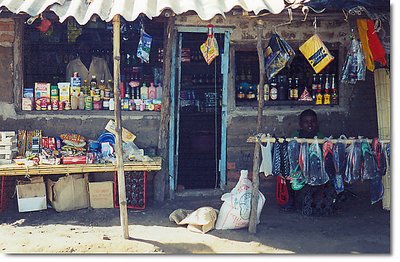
pixel 308 123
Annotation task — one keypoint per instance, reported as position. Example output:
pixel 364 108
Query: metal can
pixel 88 103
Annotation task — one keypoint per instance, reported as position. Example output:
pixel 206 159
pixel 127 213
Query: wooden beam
pixel 265 139
pixel 256 157
pixel 160 179
pixel 118 127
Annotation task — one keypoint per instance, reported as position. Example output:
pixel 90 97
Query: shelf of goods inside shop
pixel 135 188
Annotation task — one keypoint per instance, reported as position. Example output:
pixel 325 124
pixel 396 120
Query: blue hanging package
pixel 144 46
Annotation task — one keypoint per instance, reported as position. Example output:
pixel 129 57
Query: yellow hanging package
pixel 316 53
pixel 209 48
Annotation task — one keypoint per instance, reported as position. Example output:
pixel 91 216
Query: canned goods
pixel 97 105
pixel 88 103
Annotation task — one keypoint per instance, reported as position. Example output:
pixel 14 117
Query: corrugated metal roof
pixel 82 10
pixel 31 7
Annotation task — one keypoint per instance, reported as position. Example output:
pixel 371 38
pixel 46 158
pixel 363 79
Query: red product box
pixel 69 160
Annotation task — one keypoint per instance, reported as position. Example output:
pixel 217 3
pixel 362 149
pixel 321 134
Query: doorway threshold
pixel 199 192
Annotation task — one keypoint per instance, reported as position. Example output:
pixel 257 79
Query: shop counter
pixel 21 170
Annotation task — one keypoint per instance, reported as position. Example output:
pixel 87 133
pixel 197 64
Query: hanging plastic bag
pixel 144 46
pixel 266 153
pixel 327 153
pixel 354 68
pixel 339 160
pixel 235 211
pixel 316 53
pixel 299 181
pixel 294 152
pixel 369 168
pixel 380 156
pixel 278 55
pixel 209 48
pixel 317 174
pixel 353 163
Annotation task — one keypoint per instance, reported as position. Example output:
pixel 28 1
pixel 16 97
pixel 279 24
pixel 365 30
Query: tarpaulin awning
pixel 83 10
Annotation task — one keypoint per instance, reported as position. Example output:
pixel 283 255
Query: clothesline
pixel 265 139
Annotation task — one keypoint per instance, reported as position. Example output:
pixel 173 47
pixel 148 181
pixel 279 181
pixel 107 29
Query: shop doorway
pixel 198 112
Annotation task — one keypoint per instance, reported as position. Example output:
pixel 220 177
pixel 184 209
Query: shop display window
pixel 47 52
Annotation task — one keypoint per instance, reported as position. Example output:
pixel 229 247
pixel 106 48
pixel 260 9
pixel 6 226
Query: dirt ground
pixel 356 227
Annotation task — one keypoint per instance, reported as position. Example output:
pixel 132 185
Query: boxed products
pixel 31 195
pixel 68 193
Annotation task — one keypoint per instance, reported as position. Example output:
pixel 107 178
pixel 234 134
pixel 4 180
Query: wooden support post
pixel 256 157
pixel 160 179
pixel 118 127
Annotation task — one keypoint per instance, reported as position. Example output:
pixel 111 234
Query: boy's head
pixel 308 123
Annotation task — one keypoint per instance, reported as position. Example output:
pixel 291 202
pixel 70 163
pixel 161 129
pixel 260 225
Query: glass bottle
pixel 294 92
pixel 93 85
pixel 314 86
pixel 282 89
pixel 273 91
pixel 327 96
pixel 85 87
pixel 334 96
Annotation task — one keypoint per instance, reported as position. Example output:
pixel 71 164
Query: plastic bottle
pixel 159 92
pixel 144 92
pixel 81 101
pixel 152 91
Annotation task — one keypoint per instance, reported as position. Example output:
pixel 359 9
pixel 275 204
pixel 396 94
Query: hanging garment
pixel 317 173
pixel 387 148
pixel 293 153
pixel 362 33
pixel 375 45
pixel 300 181
pixel 266 163
pixel 327 153
pixel 380 156
pixel 339 160
pixel 276 162
pixel 353 163
pixel 376 189
pixel 369 168
pixel 285 166
pixel 281 193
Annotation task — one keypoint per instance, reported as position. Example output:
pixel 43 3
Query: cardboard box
pixel 101 194
pixel 31 195
pixel 68 193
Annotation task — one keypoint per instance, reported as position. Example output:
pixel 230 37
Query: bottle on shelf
pixel 159 92
pixel 282 89
pixel 334 96
pixel 126 103
pixel 93 85
pixel 314 86
pixel 327 96
pixel 266 92
pixel 85 87
pixel 102 87
pixel 251 93
pixel 294 90
pixel 144 92
pixel 273 91
pixel 290 86
pixel 152 91
pixel 240 93
pixel 81 101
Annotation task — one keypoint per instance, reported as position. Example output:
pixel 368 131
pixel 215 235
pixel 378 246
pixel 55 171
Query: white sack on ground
pixel 235 211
